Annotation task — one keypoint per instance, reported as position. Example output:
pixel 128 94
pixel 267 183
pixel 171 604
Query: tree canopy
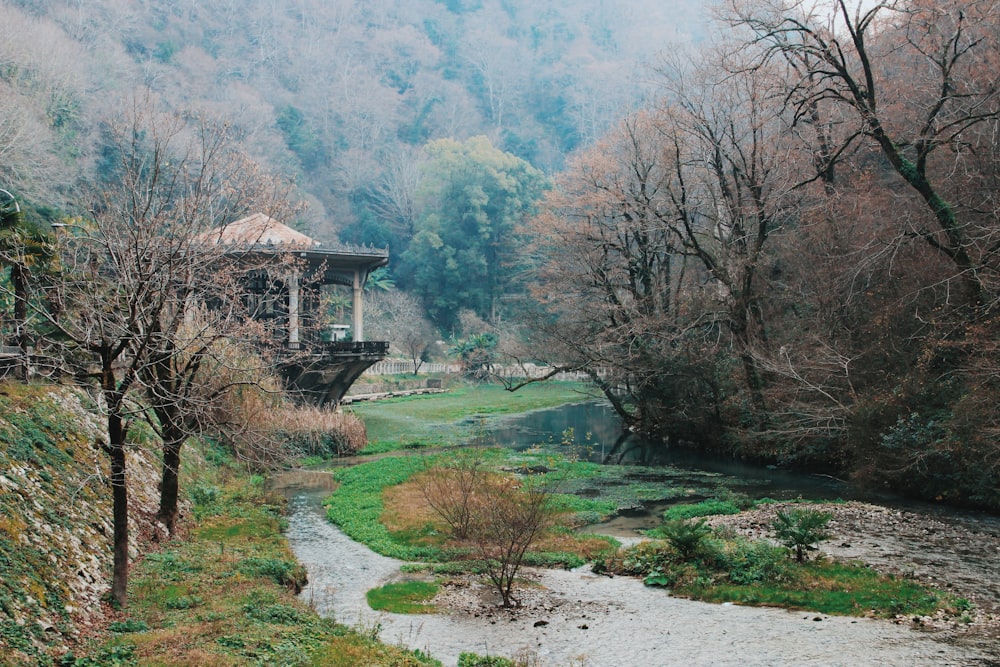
pixel 467 246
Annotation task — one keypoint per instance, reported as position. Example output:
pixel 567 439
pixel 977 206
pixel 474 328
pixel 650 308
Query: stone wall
pixel 56 520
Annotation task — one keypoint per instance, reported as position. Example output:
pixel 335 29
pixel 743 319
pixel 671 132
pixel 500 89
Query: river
pixel 581 619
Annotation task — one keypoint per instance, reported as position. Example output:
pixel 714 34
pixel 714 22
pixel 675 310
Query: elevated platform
pixel 322 374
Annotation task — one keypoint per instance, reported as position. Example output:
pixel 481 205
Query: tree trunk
pixel 739 324
pixel 169 483
pixel 116 450
pixel 18 279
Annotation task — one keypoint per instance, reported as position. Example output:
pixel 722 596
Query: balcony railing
pixel 367 348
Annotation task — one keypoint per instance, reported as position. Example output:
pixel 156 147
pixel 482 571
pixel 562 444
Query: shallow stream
pixel 341 570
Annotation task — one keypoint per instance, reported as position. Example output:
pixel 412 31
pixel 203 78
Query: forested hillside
pixel 339 95
pixel 773 236
pixel 793 255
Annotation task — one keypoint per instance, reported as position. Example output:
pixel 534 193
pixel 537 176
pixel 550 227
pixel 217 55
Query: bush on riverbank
pixel 721 567
pixel 321 433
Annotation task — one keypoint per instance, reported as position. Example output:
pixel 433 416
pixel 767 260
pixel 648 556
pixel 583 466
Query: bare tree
pixel 394 196
pixel 508 517
pixel 733 185
pixel 398 317
pixel 610 277
pixel 131 276
pixel 450 490
pixel 855 58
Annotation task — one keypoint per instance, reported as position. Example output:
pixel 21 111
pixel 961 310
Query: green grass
pixel 226 596
pixel 755 572
pixel 829 587
pixel 725 505
pixel 710 507
pixel 356 506
pixel 456 416
pixel 404 597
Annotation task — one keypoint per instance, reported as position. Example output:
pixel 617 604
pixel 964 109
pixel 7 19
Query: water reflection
pixel 593 432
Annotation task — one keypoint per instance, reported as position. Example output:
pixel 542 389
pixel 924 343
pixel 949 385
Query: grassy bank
pixel 225 595
pixel 380 503
pixel 455 416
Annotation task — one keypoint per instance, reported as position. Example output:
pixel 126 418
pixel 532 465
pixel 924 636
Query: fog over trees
pixel 339 94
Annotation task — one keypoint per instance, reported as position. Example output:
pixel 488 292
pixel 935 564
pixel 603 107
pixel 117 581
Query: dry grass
pixel 408 515
pixel 587 547
pixel 406 508
pixel 315 423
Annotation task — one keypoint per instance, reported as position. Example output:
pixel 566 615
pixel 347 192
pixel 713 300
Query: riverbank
pixel 579 618
pixel 949 551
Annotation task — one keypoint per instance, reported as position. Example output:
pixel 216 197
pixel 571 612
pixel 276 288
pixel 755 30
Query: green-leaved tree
pixel 466 249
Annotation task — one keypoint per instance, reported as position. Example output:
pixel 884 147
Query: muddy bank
pixel 577 618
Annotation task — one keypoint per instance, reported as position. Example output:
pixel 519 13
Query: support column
pixel 293 310
pixel 357 311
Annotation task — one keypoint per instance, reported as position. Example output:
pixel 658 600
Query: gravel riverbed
pixel 579 618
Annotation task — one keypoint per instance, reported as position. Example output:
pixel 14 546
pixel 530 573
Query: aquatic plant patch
pixel 455 416
pixel 403 597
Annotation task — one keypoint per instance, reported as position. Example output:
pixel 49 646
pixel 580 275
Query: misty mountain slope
pixel 330 92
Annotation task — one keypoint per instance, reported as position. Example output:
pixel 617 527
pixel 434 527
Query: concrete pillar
pixel 293 310
pixel 357 312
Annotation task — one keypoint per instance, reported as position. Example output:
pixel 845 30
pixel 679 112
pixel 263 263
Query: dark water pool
pixel 593 431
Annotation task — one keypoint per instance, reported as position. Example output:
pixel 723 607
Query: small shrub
pixel 117 655
pixel 686 537
pixel 475 660
pixel 183 602
pixel 206 499
pixel 280 614
pixel 130 625
pixel 962 605
pixel 741 500
pixel 285 572
pixel 800 529
pixel 752 562
pixel 318 432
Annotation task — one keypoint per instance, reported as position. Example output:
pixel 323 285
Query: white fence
pixel 403 367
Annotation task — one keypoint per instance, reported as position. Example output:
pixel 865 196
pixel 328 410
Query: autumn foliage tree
pixel 813 202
